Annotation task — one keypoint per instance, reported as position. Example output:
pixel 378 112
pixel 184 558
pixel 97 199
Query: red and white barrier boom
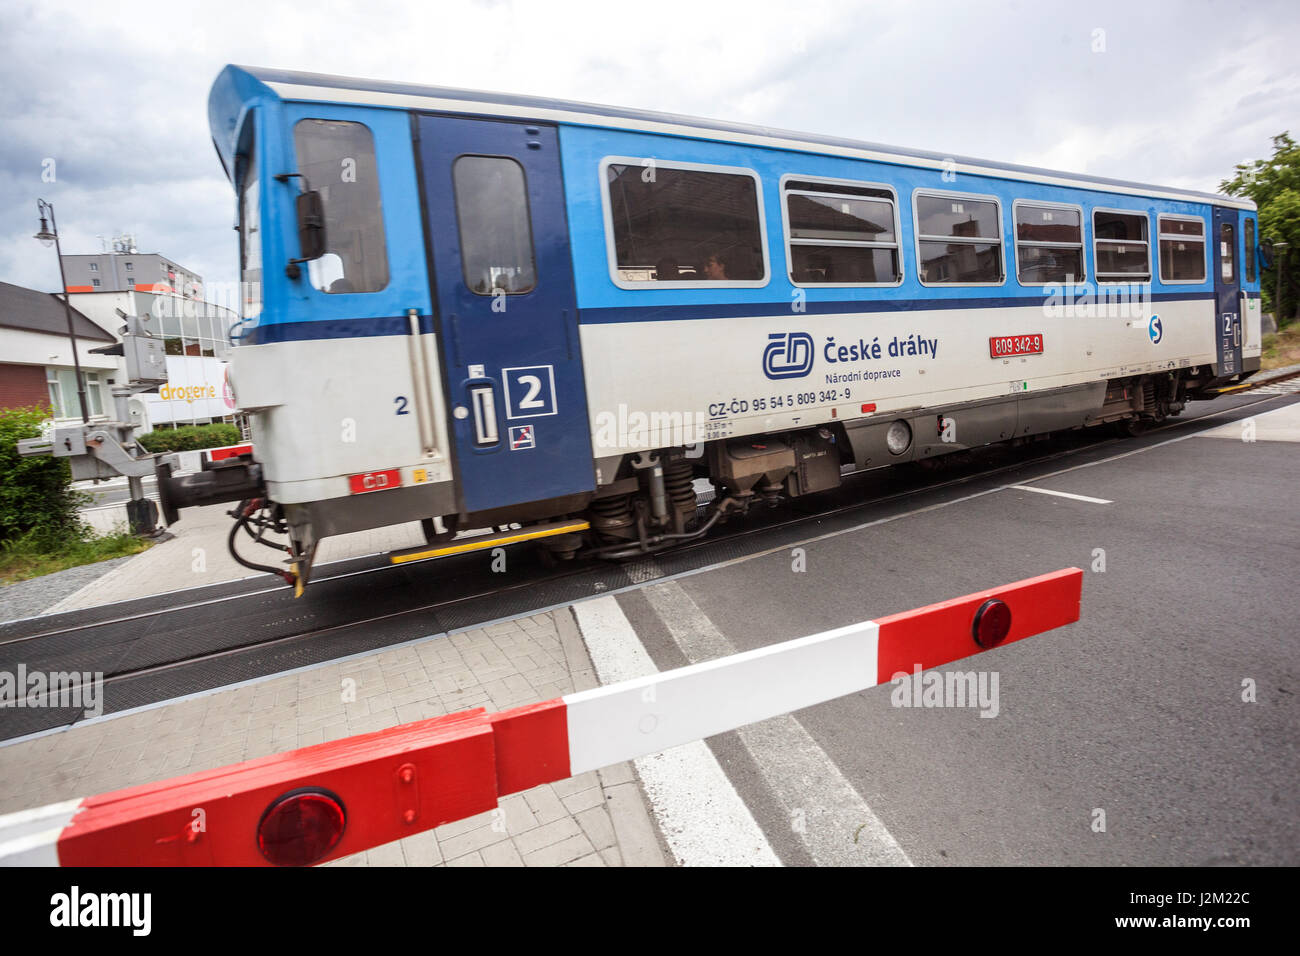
pixel 334 799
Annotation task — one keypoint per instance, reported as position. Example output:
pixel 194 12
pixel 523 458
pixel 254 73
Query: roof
pixel 34 311
pixel 237 87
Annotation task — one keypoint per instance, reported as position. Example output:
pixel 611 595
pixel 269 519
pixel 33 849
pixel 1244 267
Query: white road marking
pixel 1061 494
pixel 828 815
pixel 704 820
pixel 1281 424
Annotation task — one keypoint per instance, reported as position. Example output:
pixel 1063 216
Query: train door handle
pixel 483 403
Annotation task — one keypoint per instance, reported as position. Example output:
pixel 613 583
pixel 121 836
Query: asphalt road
pixel 1136 711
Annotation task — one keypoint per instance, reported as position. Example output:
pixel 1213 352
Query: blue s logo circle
pixel 1155 330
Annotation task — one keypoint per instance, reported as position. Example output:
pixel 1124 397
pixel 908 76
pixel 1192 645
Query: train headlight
pixel 899 438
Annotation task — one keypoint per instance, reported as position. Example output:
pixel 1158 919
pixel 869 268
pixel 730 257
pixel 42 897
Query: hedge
pixel 191 437
pixel 37 499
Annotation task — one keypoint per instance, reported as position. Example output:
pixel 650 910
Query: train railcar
pixel 552 318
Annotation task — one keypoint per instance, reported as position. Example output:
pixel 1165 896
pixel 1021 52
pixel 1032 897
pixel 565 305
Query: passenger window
pixel 1182 249
pixel 960 240
pixel 496 235
pixel 1049 244
pixel 841 234
pixel 1228 252
pixel 338 158
pixel 1249 231
pixel 1121 246
pixel 685 225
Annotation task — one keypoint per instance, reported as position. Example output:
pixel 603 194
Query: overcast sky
pixel 1173 93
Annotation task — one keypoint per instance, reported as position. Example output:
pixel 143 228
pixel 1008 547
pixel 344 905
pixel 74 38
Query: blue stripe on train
pixel 332 329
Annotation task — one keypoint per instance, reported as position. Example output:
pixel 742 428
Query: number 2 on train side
pixel 530 391
pixel 534 385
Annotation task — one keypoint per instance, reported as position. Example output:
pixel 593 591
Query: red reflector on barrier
pixel 375 481
pixel 992 623
pixel 301 827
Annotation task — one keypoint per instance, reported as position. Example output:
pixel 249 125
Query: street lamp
pixel 49 235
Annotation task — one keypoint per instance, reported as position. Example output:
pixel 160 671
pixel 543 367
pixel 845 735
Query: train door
pixel 1227 291
pixel 1251 317
pixel 503 280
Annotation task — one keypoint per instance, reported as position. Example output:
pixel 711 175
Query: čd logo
pixel 788 355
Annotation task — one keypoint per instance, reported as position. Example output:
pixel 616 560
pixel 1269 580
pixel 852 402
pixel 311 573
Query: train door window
pixel 1248 229
pixel 496 235
pixel 1049 243
pixel 1182 249
pixel 683 223
pixel 1228 252
pixel 250 239
pixel 959 239
pixel 338 158
pixel 841 234
pixel 1121 246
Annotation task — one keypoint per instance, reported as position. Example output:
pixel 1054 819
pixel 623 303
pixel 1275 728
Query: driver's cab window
pixel 337 158
pixel 250 237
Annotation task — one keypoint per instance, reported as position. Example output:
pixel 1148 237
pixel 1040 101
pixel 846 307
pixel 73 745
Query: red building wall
pixel 22 386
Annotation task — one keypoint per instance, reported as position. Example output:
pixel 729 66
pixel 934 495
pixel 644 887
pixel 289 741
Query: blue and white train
pixel 550 318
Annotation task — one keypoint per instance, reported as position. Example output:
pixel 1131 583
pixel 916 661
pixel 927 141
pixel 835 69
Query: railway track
pixel 147 651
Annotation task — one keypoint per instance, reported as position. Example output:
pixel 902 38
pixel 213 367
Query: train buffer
pixel 335 799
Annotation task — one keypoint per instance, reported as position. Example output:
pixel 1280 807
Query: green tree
pixel 1274 185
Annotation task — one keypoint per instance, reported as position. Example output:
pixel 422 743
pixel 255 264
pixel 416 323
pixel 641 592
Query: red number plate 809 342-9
pixel 1002 346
